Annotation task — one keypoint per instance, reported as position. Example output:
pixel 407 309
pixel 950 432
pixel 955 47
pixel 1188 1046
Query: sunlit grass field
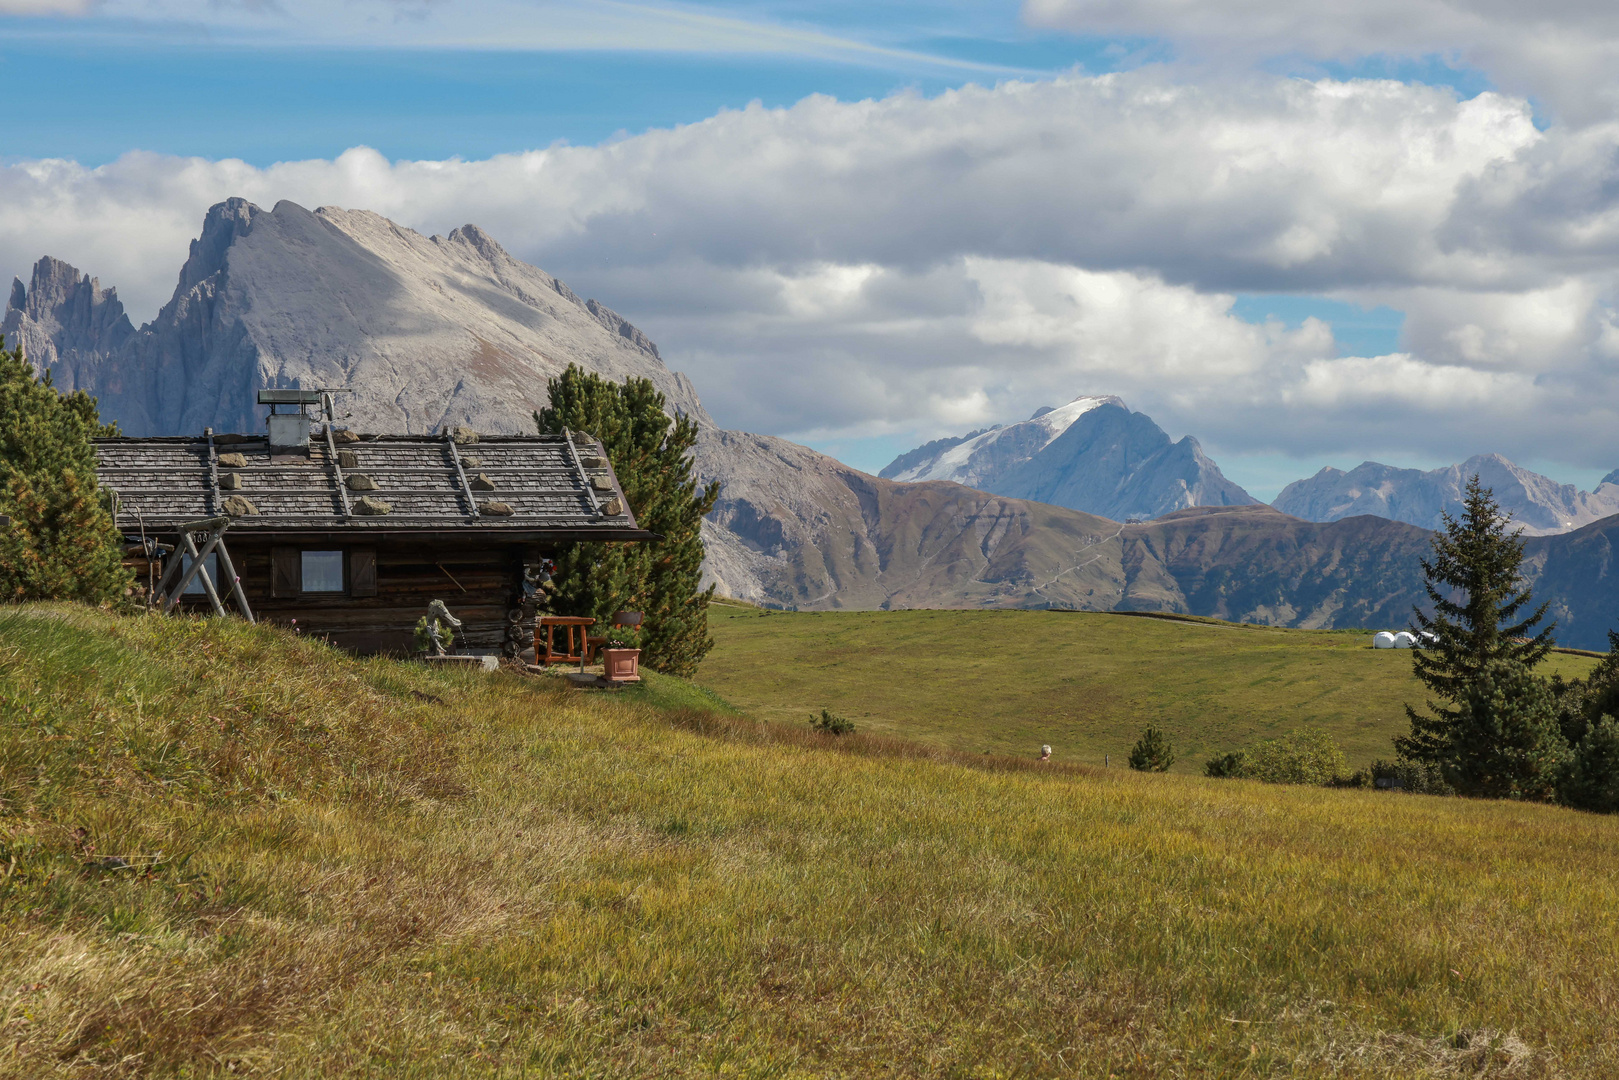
pixel 227 851
pixel 1084 682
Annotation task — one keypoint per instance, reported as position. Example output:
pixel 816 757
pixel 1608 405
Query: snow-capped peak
pixel 970 462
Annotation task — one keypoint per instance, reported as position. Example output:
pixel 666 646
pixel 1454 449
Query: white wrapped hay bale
pixel 1382 640
pixel 1404 639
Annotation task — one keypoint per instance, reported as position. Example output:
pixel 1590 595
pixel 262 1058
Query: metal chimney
pixel 289 432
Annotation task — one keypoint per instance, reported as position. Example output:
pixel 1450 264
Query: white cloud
pixel 45 7
pixel 1563 51
pixel 936 263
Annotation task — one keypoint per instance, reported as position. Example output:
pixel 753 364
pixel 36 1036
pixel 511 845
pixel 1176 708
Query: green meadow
pixel 228 851
pixel 1006 682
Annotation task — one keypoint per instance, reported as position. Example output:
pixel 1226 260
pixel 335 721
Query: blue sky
pixel 296 81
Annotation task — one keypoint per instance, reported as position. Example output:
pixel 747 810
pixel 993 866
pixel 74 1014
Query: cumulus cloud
pixel 930 264
pixel 1563 51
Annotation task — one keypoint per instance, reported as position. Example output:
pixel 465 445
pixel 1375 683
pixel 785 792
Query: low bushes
pixel 1299 757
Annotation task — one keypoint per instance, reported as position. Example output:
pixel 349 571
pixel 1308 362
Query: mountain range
pixel 438 331
pixel 1539 505
pixel 1092 454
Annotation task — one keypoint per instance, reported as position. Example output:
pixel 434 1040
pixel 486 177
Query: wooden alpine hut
pixel 351 537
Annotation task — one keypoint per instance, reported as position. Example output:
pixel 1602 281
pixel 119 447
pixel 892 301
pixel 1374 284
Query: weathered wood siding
pixel 480 586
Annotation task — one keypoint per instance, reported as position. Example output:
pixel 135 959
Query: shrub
pixel 1416 777
pixel 1591 780
pixel 61 543
pixel 1300 757
pixel 832 723
pixel 1152 752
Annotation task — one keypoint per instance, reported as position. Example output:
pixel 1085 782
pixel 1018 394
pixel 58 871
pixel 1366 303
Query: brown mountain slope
pixel 1579 574
pixel 795 528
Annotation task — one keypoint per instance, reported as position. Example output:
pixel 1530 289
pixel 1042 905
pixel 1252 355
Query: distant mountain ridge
pixel 436 331
pixel 1092 454
pixel 1538 504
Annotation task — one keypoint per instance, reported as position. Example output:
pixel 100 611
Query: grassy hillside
pixel 1085 682
pixel 230 851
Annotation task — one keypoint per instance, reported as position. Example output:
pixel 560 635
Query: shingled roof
pixel 545 487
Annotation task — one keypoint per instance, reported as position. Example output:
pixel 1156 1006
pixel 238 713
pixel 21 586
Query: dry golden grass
pixel 369 868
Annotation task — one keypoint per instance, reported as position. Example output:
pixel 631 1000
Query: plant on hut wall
pixel 61 544
pixel 651 456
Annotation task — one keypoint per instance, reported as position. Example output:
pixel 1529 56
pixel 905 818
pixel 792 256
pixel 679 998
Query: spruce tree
pixel 1486 726
pixel 1152 752
pixel 651 456
pixel 1588 713
pixel 61 544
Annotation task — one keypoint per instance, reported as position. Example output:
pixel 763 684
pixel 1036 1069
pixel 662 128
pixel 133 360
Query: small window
pixel 210 566
pixel 323 571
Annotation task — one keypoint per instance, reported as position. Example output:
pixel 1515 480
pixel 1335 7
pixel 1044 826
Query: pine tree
pixel 61 543
pixel 1152 752
pixel 1486 730
pixel 650 453
pixel 1504 741
pixel 1588 713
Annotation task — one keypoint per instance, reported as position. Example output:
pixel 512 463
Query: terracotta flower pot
pixel 621 665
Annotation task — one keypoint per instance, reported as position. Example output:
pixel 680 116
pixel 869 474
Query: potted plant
pixel 621 655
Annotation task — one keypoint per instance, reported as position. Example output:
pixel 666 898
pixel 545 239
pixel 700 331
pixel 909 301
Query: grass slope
pixel 370 868
pixel 1085 682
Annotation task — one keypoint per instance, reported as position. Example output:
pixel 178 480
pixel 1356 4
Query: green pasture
pixel 228 851
pixel 1005 682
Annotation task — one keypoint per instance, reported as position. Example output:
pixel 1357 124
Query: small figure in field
pixel 1045 752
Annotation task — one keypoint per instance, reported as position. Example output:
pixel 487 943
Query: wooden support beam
pixel 590 492
pixel 229 572
pixel 213 473
pixel 196 567
pixel 337 466
pixel 466 488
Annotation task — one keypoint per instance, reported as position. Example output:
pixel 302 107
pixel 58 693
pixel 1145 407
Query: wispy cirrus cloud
pixel 506 25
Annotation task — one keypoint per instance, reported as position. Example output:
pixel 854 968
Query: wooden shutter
pixel 363 572
pixel 286 573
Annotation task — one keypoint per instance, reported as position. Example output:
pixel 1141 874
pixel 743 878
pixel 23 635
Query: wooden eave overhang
pixel 165 482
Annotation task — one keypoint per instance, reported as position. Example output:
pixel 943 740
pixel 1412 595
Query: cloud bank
pixel 1561 51
pixel 929 264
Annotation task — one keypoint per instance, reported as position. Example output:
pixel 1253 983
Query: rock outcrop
pixel 430 332
pixel 66 323
pixel 1538 505
pixel 1092 455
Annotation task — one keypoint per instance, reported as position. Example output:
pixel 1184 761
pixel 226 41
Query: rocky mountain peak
pixel 430 332
pixel 64 320
pixel 1538 504
pixel 1092 454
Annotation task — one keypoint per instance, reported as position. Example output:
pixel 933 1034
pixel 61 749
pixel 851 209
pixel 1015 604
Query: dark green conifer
pixel 1588 712
pixel 61 544
pixel 1491 725
pixel 1152 752
pixel 651 456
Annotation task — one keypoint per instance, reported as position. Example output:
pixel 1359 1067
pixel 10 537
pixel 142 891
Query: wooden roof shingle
pixel 425 480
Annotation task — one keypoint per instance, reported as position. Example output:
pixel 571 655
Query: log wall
pixel 480 586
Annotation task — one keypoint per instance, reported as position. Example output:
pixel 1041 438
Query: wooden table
pixel 569 624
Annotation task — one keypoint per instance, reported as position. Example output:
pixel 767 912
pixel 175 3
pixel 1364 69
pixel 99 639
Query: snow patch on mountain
pixel 973 461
